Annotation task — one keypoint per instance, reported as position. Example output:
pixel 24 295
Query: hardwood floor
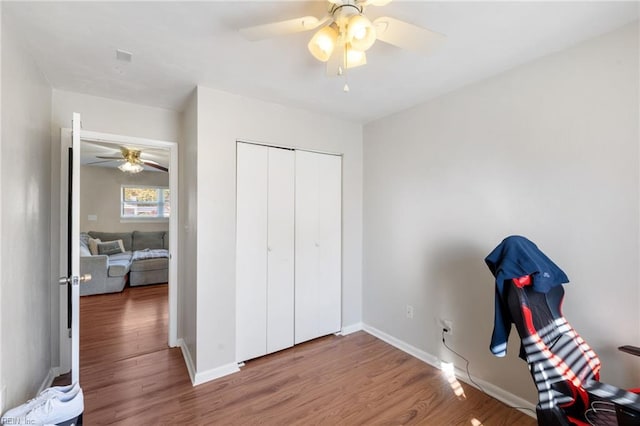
pixel 131 377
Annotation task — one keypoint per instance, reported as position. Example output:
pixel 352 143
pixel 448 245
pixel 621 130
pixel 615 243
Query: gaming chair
pixel 564 368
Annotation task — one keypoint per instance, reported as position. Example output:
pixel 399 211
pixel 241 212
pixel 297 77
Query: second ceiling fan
pixel 133 163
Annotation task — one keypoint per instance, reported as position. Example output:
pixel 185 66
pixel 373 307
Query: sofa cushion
pixel 149 277
pixel 110 247
pixel 119 264
pixel 126 237
pixel 148 239
pixel 126 256
pixel 150 264
pixel 118 268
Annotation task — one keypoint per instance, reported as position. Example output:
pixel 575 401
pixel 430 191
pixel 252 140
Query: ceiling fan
pixel 346 33
pixel 132 161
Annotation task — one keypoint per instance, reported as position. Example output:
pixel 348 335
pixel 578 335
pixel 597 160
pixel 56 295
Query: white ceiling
pixel 178 45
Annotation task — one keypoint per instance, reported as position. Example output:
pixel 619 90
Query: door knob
pixel 66 280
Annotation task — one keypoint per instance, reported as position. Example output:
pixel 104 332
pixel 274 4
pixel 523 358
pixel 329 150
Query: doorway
pixel 110 145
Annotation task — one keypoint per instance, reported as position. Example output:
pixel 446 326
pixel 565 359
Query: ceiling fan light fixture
pixel 346 33
pixel 323 42
pixel 132 168
pixel 354 57
pixel 360 32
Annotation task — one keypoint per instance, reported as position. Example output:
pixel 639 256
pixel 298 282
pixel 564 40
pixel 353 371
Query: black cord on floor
pixel 465 360
pixel 469 374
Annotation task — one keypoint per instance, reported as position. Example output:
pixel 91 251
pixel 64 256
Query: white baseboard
pixel 188 360
pixel 48 380
pixel 215 373
pixel 3 398
pixel 490 389
pixel 198 378
pixel 498 393
pixel 403 346
pixel 350 329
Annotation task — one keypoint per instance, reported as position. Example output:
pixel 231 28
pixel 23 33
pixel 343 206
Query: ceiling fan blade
pixel 274 29
pixel 155 165
pixel 100 162
pixel 407 36
pixel 110 158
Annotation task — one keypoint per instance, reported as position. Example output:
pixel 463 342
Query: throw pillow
pixel 111 247
pixel 93 245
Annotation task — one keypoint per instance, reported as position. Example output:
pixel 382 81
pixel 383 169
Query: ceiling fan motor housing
pixel 344 9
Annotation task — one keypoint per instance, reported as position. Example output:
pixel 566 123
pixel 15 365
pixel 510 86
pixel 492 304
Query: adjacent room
pixel 125 205
pixel 285 209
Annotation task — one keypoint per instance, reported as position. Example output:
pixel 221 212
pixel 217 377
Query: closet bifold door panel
pixel 318 244
pixel 264 250
pixel 280 249
pixel 251 258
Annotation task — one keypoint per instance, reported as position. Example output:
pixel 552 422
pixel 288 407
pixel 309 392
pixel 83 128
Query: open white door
pixel 73 242
pixel 75 250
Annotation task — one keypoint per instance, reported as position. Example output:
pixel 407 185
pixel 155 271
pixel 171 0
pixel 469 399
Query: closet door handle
pixel 269 249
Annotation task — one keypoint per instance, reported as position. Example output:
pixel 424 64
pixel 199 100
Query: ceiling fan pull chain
pixel 345 67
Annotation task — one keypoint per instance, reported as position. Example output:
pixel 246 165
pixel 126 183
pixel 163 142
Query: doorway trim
pixel 108 138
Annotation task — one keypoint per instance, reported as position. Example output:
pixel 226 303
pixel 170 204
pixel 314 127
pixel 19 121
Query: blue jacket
pixel 516 257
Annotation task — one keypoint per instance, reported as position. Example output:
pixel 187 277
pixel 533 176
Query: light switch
pixel 92 218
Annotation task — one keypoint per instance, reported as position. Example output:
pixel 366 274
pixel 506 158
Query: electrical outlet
pixel 409 311
pixel 447 325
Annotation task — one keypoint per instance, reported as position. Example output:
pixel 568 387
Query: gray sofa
pixel 145 260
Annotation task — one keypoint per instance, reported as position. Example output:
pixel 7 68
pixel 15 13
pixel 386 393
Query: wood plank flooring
pixel 131 377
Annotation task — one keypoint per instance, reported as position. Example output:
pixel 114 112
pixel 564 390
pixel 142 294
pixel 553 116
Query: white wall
pixel 25 286
pixel 112 116
pixel 188 227
pixel 222 119
pixel 100 115
pixel 100 196
pixel 548 150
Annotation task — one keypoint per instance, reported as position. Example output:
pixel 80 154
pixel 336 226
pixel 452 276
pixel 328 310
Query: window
pixel 144 202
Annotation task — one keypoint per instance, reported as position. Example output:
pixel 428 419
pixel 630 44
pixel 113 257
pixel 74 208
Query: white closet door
pixel 318 239
pixel 251 257
pixel 280 249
